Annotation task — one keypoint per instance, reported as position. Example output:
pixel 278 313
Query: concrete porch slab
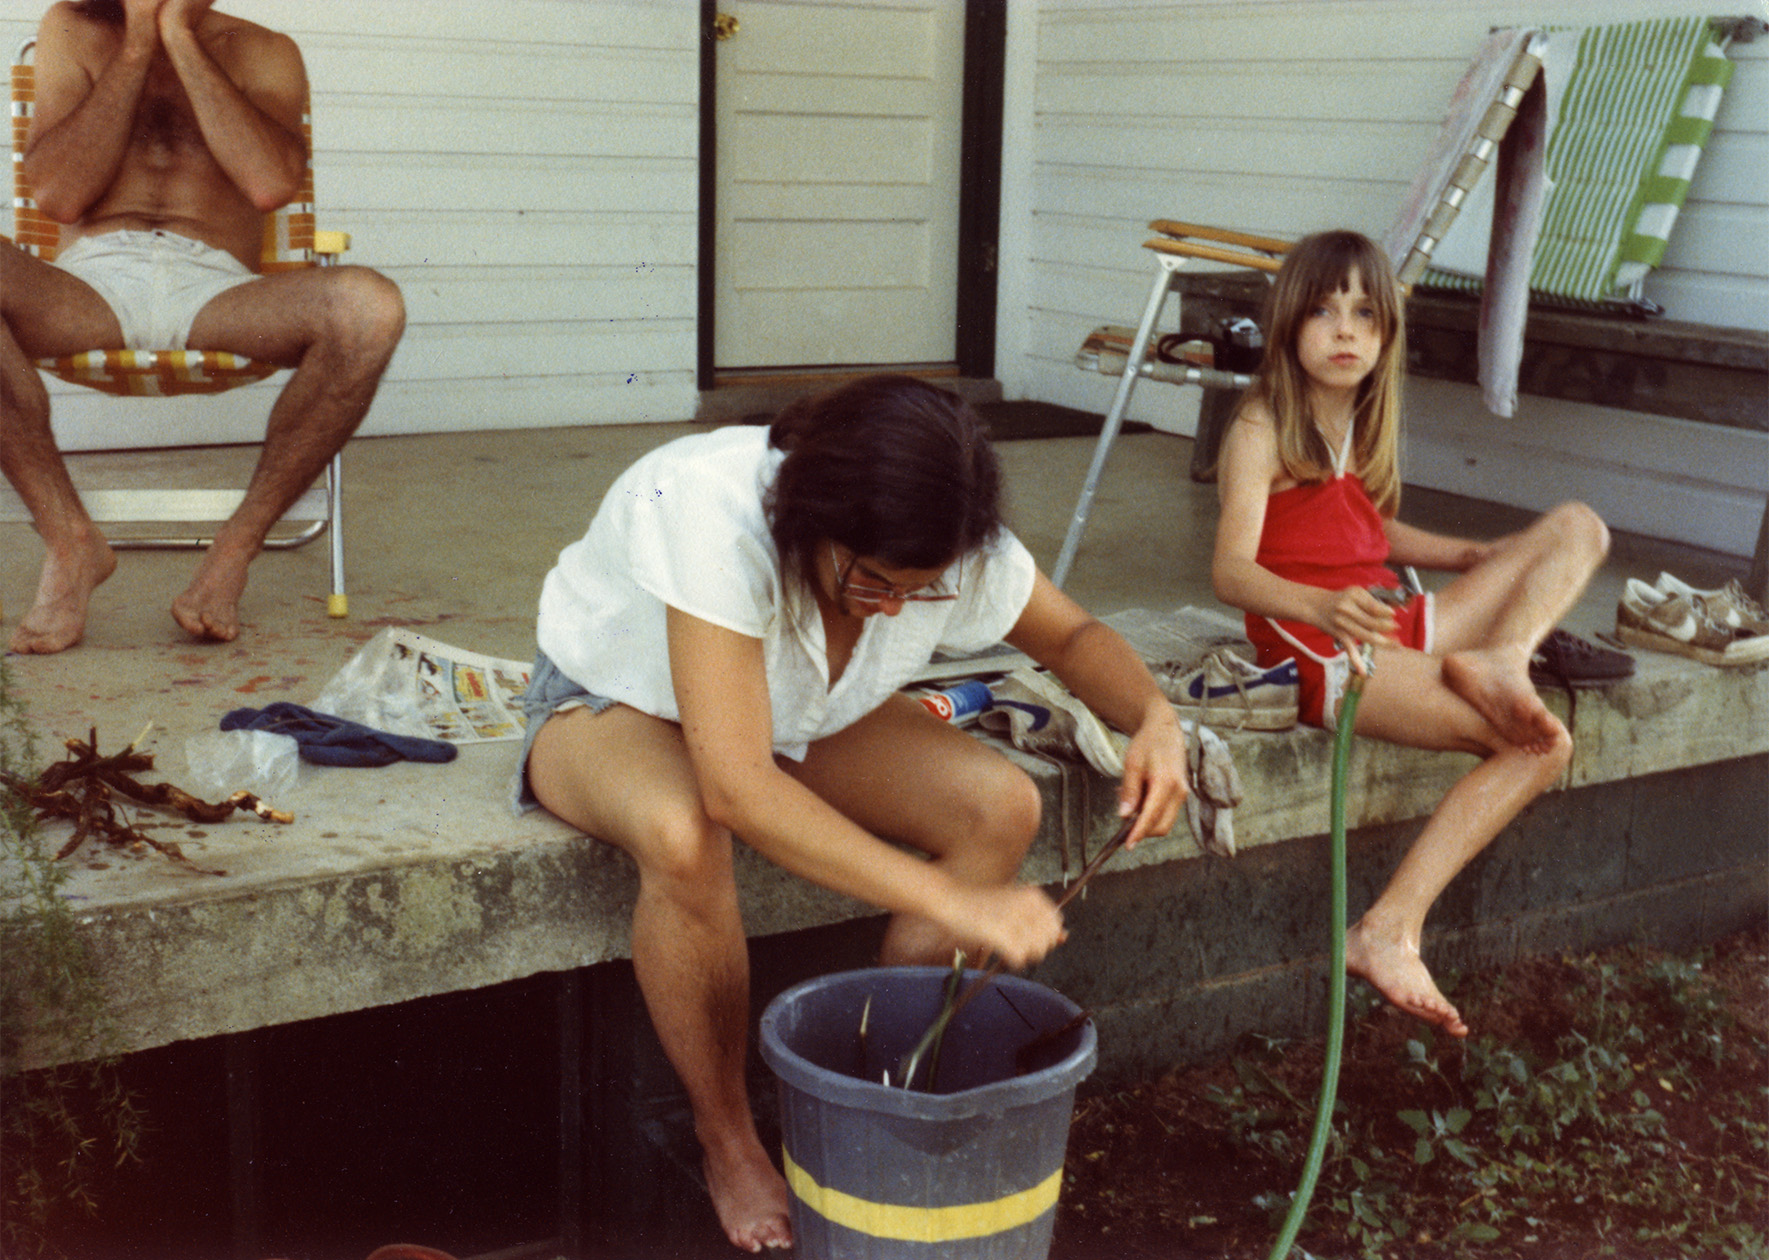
pixel 415 880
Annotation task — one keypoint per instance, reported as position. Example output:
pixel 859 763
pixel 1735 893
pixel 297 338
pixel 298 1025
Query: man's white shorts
pixel 155 282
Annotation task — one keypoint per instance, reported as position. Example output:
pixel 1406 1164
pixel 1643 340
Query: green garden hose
pixel 1323 1118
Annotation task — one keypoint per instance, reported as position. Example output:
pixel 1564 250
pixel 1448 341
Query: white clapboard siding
pixel 1288 117
pixel 527 171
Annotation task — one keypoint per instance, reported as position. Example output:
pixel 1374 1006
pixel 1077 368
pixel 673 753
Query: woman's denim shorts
pixel 549 692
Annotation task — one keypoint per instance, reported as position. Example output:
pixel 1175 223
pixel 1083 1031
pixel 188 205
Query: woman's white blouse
pixel 685 527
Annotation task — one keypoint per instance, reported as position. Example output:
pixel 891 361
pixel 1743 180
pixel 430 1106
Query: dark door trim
pixel 979 184
pixel 707 300
pixel 979 188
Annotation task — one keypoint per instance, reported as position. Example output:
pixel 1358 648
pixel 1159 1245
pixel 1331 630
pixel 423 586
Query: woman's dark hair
pixel 889 467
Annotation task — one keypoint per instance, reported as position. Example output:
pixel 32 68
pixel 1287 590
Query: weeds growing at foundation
pixel 1614 1105
pixel 55 1123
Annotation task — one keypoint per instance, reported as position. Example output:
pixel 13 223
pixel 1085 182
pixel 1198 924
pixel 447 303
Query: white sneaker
pixel 1037 713
pixel 1648 617
pixel 1228 691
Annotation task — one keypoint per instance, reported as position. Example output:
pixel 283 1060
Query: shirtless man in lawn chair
pixel 163 134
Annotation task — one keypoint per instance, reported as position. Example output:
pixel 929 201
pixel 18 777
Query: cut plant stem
pixel 953 980
pixel 860 1040
pixel 909 1062
pixel 83 790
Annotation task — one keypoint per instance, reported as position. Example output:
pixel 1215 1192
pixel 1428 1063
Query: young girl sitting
pixel 1310 488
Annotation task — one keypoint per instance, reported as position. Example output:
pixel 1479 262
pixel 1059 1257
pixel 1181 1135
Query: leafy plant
pixel 57 1121
pixel 1513 1139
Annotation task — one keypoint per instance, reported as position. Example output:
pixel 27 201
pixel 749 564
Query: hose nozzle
pixel 1355 684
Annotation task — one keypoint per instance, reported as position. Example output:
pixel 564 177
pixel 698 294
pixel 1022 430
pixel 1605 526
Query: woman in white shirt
pixel 721 655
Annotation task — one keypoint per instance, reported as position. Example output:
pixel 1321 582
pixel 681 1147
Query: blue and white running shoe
pixel 1227 691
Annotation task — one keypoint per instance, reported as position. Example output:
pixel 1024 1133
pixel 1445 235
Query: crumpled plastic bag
pixel 224 762
pixel 377 688
pixel 1037 713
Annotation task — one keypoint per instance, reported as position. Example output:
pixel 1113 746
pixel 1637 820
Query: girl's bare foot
pixel 64 590
pixel 1393 965
pixel 1496 682
pixel 750 1196
pixel 209 608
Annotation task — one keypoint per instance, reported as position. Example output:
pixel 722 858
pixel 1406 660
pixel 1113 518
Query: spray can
pixel 958 704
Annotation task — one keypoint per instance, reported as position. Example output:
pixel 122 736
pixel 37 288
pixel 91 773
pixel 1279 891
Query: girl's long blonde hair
pixel 1316 267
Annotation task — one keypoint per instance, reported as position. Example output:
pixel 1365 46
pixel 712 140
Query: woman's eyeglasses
pixel 866 593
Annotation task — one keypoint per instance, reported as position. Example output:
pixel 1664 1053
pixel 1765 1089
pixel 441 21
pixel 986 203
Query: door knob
pixel 725 25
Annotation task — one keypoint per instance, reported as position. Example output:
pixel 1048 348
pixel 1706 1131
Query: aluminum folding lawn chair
pixel 291 242
pixel 1637 99
pixel 1485 107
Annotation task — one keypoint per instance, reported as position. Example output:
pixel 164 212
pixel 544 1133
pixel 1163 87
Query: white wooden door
pixel 838 152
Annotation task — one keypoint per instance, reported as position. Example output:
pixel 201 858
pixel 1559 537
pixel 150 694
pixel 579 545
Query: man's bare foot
pixel 64 590
pixel 209 608
pixel 1496 682
pixel 1400 975
pixel 750 1196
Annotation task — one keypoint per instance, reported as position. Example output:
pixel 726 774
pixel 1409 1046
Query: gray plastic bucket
pixel 969 1173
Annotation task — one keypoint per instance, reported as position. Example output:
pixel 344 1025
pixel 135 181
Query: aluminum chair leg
pixel 1115 417
pixel 337 603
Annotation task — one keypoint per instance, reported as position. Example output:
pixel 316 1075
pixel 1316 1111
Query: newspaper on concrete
pixel 410 684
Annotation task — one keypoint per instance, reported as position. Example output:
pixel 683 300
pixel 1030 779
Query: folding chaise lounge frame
pixel 1114 349
pixel 290 243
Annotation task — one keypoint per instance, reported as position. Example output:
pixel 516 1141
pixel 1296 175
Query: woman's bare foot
pixel 64 590
pixel 1399 974
pixel 209 608
pixel 1496 682
pixel 750 1196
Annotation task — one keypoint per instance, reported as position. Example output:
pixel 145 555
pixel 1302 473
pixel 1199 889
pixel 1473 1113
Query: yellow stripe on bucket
pixel 923 1224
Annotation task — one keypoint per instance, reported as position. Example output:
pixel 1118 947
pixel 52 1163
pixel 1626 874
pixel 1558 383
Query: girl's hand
pixel 1018 923
pixel 1355 617
pixel 1154 786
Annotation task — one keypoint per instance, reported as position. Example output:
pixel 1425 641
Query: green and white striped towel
pixel 1629 108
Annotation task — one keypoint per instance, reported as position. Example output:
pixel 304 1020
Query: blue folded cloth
pixel 333 741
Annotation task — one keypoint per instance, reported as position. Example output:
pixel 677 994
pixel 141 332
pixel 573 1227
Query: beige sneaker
pixel 1726 605
pixel 1648 617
